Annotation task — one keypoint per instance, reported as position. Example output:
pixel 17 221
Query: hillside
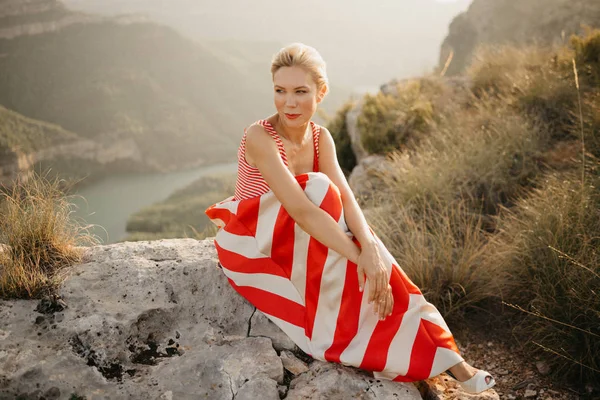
pixel 510 22
pixel 142 82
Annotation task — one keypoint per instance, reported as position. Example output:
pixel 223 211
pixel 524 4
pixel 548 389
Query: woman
pixel 294 242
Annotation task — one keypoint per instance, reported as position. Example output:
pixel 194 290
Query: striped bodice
pixel 250 182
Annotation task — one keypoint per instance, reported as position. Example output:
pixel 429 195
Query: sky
pixel 365 43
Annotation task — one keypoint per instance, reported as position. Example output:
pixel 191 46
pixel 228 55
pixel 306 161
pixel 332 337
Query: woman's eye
pixel 301 91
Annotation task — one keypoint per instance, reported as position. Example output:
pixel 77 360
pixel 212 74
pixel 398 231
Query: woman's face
pixel 296 95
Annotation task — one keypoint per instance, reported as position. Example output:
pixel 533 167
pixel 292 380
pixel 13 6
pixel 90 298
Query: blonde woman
pixel 294 242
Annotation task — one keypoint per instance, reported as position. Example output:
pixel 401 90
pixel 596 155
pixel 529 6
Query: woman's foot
pixel 471 379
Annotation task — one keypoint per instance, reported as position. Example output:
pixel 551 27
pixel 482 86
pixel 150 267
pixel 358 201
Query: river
pixel 109 202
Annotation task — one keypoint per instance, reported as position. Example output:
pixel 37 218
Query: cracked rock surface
pixel 158 320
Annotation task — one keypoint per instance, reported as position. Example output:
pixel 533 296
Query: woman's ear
pixel 322 92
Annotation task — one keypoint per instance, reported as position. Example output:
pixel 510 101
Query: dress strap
pixel 316 132
pixel 271 129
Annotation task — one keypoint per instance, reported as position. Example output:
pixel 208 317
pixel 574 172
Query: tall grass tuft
pixel 442 249
pixel 39 238
pixel 549 243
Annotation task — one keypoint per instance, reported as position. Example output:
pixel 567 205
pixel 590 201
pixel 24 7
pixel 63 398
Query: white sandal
pixel 476 383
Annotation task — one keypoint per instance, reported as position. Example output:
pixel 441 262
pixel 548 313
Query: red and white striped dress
pixel 311 292
pixel 250 182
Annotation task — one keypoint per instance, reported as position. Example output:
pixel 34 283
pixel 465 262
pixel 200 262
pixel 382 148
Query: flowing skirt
pixel 311 292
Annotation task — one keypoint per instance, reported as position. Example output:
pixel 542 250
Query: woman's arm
pixel 354 216
pixel 370 261
pixel 261 148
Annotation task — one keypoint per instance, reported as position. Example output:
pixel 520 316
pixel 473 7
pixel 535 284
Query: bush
pixel 389 121
pixel 39 237
pixel 587 55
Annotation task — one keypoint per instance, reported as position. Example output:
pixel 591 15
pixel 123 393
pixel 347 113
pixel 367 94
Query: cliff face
pixel 509 21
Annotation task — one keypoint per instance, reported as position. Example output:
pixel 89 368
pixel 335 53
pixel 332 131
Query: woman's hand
pixel 371 264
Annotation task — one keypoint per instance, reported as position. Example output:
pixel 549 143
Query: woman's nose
pixel 290 101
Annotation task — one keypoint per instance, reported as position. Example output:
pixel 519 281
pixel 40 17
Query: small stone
pixel 292 363
pixel 282 391
pixel 530 393
pixel 511 396
pixel 502 371
pixel 542 367
pixel 490 344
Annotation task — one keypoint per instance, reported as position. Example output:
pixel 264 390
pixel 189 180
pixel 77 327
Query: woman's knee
pixel 320 185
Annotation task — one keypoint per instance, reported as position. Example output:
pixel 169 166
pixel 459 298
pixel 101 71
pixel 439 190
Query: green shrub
pixel 389 121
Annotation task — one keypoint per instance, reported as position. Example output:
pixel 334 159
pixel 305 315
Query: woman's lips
pixel 292 116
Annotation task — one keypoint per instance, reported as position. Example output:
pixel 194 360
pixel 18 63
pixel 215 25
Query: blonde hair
pixel 307 57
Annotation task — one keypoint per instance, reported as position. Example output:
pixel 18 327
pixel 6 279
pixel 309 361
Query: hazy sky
pixel 364 42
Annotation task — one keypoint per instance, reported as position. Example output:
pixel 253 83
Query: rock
pixel 292 364
pixel 158 320
pixel 136 326
pixel 260 325
pixel 261 388
pixel 353 132
pixel 542 367
pixel 282 391
pixel 337 382
pixel 530 393
pixel 363 179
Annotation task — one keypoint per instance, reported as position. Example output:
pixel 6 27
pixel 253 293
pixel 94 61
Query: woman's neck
pixel 296 135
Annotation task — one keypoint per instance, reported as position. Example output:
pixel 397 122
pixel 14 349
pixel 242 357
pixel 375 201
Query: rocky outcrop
pixel 364 179
pixel 158 320
pixel 509 21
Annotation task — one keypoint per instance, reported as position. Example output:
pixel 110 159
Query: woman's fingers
pixel 361 278
pixel 373 291
pixel 384 305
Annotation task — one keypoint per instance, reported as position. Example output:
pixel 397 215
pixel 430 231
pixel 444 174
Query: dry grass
pixel 484 155
pixel 549 244
pixel 39 237
pixel 499 199
pixel 442 248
